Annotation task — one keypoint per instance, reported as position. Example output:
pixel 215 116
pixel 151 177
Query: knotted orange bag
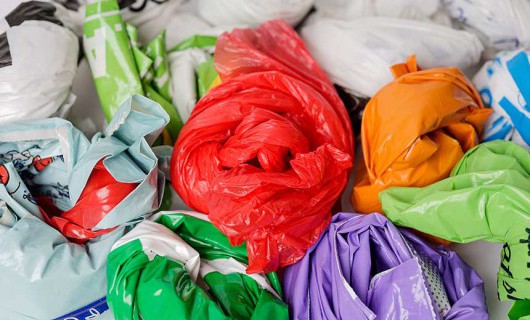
pixel 415 129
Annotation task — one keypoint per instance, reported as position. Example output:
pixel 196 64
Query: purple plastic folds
pixel 363 267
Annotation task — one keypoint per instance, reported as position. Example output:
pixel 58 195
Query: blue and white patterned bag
pixel 504 84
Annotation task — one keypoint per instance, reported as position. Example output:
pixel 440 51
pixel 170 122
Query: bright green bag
pixel 121 68
pixel 182 267
pixel 487 198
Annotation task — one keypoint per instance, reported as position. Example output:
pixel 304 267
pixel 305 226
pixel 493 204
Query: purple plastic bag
pixel 363 267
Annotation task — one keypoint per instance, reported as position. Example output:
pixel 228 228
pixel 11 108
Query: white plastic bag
pixel 252 12
pixel 184 63
pixel 150 17
pixel 182 66
pixel 406 9
pixel 357 54
pixel 501 25
pixel 36 82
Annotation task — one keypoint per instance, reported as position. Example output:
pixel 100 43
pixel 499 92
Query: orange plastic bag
pixel 414 131
pixel 267 152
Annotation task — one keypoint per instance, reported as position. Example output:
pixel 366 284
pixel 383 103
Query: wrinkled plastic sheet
pixel 64 200
pixel 500 27
pixel 363 267
pixel 486 198
pixel 252 12
pixel 122 67
pixel 423 10
pixel 179 266
pixel 408 139
pixel 504 85
pixel 267 152
pixel 38 62
pixel 357 53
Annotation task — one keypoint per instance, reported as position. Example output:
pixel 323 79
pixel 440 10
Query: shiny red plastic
pixel 101 194
pixel 267 153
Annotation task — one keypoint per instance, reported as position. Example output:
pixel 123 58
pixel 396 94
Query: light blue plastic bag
pixel 44 275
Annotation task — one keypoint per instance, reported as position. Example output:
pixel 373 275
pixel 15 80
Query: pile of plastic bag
pixel 486 197
pixel 207 167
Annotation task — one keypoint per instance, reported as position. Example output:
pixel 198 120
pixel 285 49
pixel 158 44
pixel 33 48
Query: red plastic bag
pixel 267 153
pixel 275 46
pixel 101 194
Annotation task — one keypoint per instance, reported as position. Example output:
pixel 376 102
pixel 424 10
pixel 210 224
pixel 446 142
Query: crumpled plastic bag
pixel 266 153
pixel 363 267
pixel 357 54
pixel 487 198
pixel 121 68
pixel 503 26
pixel 252 12
pixel 192 72
pixel 415 129
pixel 149 17
pixel 182 267
pixel 504 86
pixel 425 10
pixel 192 42
pixel 50 172
pixel 38 62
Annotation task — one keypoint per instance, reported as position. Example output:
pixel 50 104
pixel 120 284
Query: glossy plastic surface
pixel 267 152
pixel 415 129
pixel 363 267
pixel 486 198
pixel 182 267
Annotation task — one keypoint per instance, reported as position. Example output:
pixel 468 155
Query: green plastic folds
pixel 487 198
pixel 520 310
pixel 121 68
pixel 182 267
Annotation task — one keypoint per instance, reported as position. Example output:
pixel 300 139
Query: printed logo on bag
pixel 89 312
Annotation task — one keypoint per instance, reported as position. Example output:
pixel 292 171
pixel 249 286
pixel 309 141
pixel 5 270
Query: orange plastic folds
pixel 266 153
pixel 415 129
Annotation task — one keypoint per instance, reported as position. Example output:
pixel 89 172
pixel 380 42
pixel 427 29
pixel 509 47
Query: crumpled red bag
pixel 267 153
pixel 101 194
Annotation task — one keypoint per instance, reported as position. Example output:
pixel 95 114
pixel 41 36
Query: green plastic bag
pixel 121 68
pixel 520 310
pixel 487 198
pixel 182 267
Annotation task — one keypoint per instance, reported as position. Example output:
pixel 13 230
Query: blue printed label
pixel 89 312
